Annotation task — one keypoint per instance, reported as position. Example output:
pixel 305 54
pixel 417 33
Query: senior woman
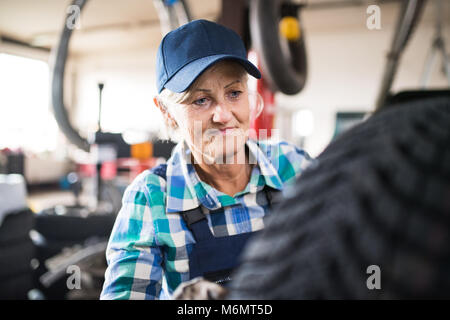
pixel 192 216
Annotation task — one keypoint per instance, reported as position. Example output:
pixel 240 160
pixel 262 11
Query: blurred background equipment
pixel 407 23
pixel 409 16
pixel 172 14
pixel 279 40
pixel 16 248
pixel 59 109
pixel 347 120
pixel 13 194
pixel 437 47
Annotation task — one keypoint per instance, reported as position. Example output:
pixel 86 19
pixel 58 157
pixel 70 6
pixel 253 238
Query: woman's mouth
pixel 227 130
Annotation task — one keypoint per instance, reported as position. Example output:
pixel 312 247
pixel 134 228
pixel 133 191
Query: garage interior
pixel 59 200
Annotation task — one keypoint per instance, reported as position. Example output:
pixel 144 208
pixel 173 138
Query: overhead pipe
pixel 408 19
pixel 57 93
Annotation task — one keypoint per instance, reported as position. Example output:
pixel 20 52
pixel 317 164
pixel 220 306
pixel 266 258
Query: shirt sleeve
pixel 134 258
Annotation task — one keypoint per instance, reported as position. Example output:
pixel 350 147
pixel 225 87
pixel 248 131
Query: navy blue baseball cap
pixel 187 51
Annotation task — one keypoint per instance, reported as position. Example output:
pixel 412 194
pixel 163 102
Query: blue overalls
pixel 215 258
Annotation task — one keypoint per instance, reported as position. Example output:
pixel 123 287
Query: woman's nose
pixel 221 114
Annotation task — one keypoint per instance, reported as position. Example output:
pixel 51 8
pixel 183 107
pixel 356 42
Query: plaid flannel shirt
pixel 149 247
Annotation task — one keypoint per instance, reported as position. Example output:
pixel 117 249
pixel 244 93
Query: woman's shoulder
pixel 281 148
pixel 150 183
pixel 286 157
pixel 151 178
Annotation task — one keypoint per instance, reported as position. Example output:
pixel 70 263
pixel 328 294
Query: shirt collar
pixel 185 191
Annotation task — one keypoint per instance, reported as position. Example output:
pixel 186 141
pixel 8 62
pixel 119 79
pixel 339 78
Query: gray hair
pixel 170 101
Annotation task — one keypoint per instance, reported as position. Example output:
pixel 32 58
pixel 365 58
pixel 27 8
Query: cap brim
pixel 190 72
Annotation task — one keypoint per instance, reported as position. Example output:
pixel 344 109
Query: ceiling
pixel 130 24
pixel 105 24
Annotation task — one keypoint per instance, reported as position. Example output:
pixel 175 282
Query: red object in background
pixel 267 116
pixel 108 170
pixel 135 166
pixel 87 169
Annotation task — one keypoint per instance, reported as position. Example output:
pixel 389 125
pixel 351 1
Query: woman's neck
pixel 229 178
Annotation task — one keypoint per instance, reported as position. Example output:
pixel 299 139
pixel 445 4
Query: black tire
pixel 16 226
pixel 44 251
pixel 377 200
pixel 285 72
pixel 52 248
pixel 58 290
pixel 67 228
pixel 16 288
pixel 16 259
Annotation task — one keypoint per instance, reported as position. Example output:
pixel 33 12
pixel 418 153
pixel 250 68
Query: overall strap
pixel 198 224
pixel 195 218
pixel 273 196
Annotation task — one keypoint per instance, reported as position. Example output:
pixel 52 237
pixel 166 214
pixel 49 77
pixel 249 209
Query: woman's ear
pixel 167 116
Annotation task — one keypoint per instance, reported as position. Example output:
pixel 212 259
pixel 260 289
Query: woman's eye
pixel 235 94
pixel 201 102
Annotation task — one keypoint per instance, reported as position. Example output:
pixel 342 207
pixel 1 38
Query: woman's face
pixel 215 118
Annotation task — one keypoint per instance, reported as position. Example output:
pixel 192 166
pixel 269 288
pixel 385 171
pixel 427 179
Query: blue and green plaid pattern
pixel 149 247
